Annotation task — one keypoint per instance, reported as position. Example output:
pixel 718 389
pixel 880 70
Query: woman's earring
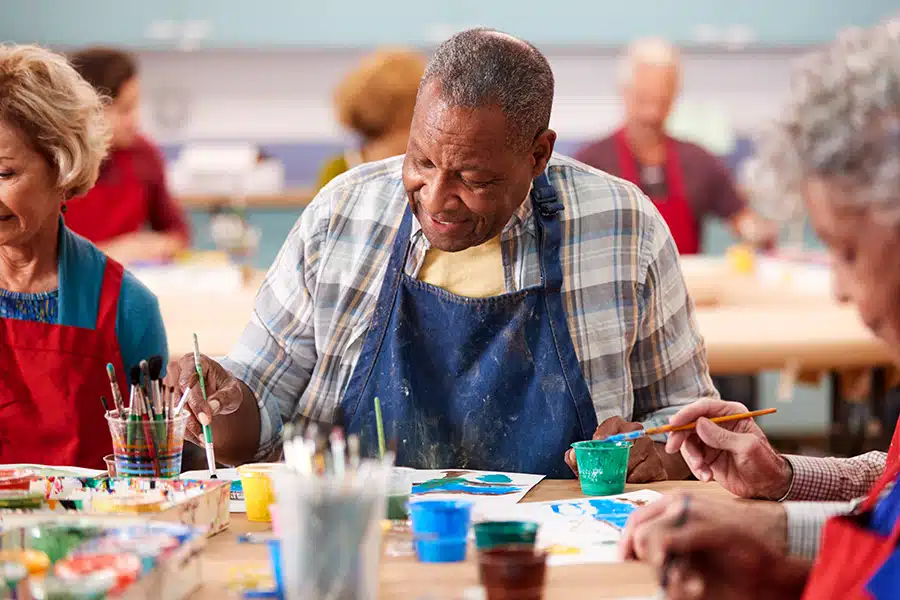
pixel 64 207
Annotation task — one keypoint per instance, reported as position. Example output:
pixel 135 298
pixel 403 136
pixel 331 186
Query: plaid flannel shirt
pixel 629 314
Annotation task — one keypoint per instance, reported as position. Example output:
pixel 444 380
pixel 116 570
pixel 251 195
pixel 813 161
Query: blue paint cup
pixel 441 551
pixel 275 558
pixel 440 529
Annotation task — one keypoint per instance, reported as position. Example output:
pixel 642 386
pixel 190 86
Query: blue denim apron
pixel 473 383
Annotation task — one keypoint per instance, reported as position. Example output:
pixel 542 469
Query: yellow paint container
pixel 741 259
pixel 259 493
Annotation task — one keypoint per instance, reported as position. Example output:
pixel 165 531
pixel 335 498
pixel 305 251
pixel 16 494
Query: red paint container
pixel 513 572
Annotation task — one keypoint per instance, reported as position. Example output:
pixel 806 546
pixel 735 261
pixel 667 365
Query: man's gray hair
pixel 843 122
pixel 484 67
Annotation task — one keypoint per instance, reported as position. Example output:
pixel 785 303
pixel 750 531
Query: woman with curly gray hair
pixel 66 310
pixel 836 150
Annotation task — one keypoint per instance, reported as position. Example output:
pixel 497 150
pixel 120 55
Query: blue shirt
pixel 139 324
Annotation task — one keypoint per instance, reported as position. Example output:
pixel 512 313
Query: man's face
pixel 863 256
pixel 463 178
pixel 648 98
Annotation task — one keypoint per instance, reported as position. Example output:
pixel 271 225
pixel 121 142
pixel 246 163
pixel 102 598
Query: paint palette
pixel 201 504
pixel 74 556
pixel 236 491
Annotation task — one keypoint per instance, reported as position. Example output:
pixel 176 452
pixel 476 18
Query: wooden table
pixel 405 578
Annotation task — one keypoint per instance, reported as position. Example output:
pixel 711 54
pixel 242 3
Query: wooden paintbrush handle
pixel 726 418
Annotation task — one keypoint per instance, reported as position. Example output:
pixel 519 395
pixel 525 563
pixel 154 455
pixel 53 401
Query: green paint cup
pixel 602 466
pixel 492 534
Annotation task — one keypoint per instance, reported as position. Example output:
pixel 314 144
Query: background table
pixel 405 578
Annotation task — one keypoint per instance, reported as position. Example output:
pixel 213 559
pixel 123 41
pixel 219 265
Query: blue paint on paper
pixel 612 512
pixel 495 478
pixel 464 487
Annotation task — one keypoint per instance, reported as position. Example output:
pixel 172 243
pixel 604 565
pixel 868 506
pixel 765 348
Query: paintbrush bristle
pixel 155 367
pixel 135 375
pixel 111 372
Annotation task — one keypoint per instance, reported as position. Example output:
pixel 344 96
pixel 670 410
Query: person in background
pixel 375 102
pixel 66 310
pixel 839 146
pixel 129 212
pixel 687 183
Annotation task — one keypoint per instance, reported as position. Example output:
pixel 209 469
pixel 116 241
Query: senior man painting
pixel 500 300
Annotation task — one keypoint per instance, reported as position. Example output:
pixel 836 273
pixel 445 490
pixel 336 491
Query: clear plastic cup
pixel 147 448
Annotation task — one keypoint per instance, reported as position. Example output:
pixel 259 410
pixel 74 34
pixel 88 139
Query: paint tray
pixel 171 570
pixel 201 504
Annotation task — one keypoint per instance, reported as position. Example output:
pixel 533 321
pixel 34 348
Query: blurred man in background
pixel 686 182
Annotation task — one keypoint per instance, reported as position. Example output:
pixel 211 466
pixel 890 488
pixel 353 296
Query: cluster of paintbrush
pixel 314 448
pixel 150 410
pixel 330 502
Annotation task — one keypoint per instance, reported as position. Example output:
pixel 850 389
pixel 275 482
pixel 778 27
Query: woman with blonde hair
pixel 376 103
pixel 66 310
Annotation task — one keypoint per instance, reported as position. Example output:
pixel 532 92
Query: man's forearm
pixel 676 468
pixel 236 435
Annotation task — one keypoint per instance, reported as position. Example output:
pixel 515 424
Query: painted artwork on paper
pixel 581 530
pixel 479 486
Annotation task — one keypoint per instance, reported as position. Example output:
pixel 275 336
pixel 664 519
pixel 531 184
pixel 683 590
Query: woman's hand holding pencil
pixel 734 453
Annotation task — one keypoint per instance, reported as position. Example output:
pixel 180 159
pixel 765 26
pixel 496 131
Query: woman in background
pixel 66 310
pixel 129 213
pixel 376 103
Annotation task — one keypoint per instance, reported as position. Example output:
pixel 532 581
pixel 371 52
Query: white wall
pixel 285 95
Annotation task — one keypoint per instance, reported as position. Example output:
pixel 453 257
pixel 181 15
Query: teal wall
pixel 354 23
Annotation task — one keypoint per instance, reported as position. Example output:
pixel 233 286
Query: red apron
pixel 674 208
pixel 53 377
pixel 851 554
pixel 116 205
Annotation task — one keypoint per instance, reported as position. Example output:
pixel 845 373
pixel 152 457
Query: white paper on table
pixel 485 488
pixel 236 502
pixel 579 530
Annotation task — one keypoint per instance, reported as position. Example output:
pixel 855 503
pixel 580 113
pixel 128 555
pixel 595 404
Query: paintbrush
pixel 338 451
pixel 105 404
pixel 379 424
pixel 207 429
pixel 145 379
pixel 134 405
pixel 116 393
pixel 155 363
pixel 353 449
pixel 633 435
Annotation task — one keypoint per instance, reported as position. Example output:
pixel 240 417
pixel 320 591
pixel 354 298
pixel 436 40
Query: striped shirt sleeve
pixel 830 487
pixel 834 479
